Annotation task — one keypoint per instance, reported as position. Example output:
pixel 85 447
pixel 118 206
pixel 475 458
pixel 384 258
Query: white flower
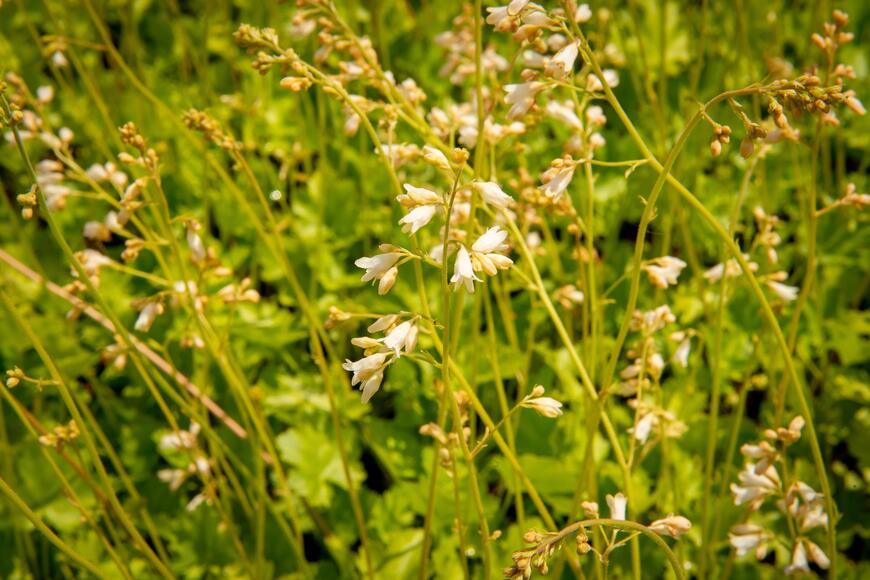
pixel 617 504
pixel 463 271
pixel 562 62
pixel 593 83
pixel 644 427
pixel 784 291
pixel 755 486
pixel 149 312
pixel 377 266
pixel 729 269
pixel 45 94
pixel 415 196
pixel 681 354
pixel 746 537
pixel 58 59
pixel 194 243
pixel 671 525
pixel 564 113
pixel 383 323
pixel 497 16
pixel 387 280
pixel 595 116
pixel 490 241
pixel 368 372
pixel 583 14
pixel 664 271
pixel 417 218
pixel 403 336
pixel 521 97
pixel 493 194
pixel 97 231
pixel 483 252
pixel 180 439
pixel 545 406
pixel 817 555
pixel 516 6
pixel 799 561
pixel 557 179
pixel 652 320
pixel 436 158
pixel 569 296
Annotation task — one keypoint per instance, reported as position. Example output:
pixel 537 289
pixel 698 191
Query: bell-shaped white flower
pixel 562 62
pixel 493 194
pixel 403 336
pixel 521 97
pixel 463 271
pixel 417 218
pixel 377 266
pixel 564 113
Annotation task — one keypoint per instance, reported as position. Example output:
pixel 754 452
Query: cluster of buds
pixel 652 321
pixel 459 45
pixel 239 292
pixel 14 376
pixel 60 435
pixel 211 129
pixel 444 440
pixel 537 557
pixel 721 136
pixel 850 197
pixel 766 235
pixel 131 137
pixel 654 419
pixel 28 202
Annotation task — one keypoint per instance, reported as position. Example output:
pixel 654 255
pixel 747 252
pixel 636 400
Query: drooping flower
pixel 557 178
pixel 784 291
pixel 149 312
pixel 671 526
pixel 664 271
pixel 402 337
pixel 521 97
pixel 463 271
pixel 562 62
pixel 493 194
pixel 484 252
pixel 417 218
pixel 747 537
pixel 368 372
pixel 564 113
pixel 799 562
pixel 755 487
pixel 376 266
pixel 545 406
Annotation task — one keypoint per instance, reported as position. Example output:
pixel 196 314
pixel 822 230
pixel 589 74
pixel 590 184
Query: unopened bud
pixel 387 281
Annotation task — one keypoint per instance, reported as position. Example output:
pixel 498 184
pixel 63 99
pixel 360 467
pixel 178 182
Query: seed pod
pixel 747 147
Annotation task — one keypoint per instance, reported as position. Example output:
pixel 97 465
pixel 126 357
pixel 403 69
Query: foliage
pixel 652 209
